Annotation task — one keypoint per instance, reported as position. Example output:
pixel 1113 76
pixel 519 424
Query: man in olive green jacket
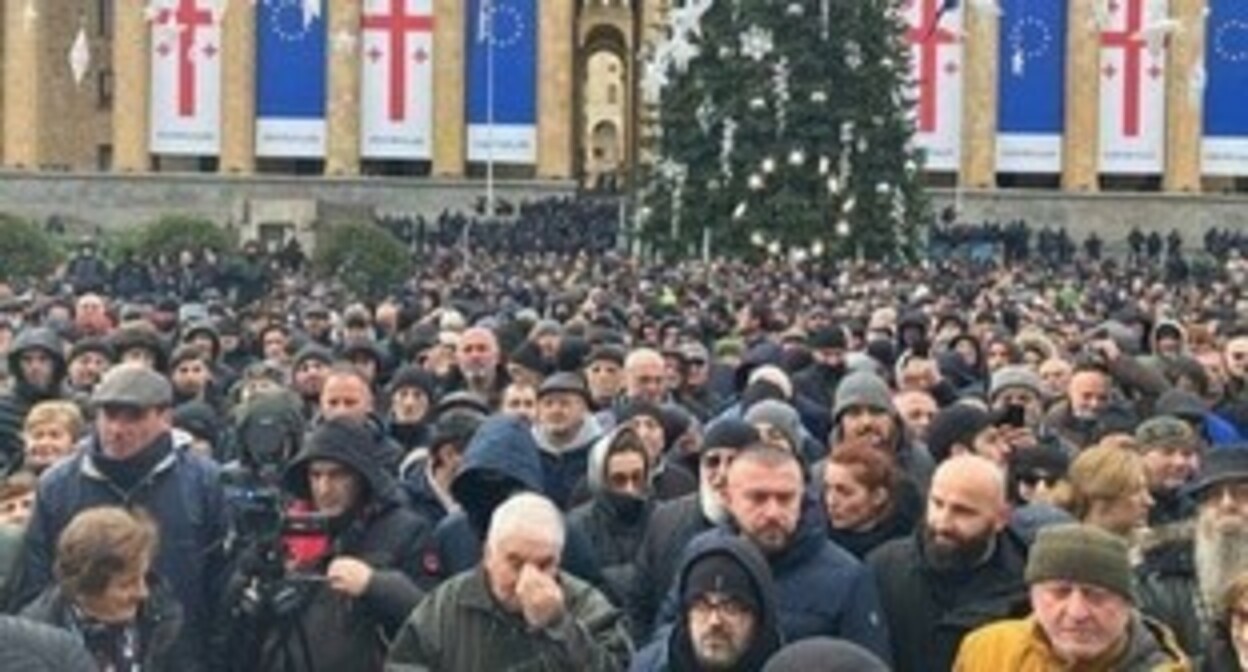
pixel 516 611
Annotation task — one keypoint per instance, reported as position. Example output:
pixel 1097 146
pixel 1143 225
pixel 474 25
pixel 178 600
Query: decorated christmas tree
pixel 784 125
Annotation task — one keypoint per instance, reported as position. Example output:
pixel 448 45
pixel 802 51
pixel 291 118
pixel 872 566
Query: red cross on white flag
pixel 186 78
pixel 1133 89
pixel 397 58
pixel 935 40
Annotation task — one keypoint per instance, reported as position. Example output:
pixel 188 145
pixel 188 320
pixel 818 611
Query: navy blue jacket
pixel 182 493
pixel 821 590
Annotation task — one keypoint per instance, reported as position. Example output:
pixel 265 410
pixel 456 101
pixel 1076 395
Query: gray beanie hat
pixel 1082 554
pixel 862 389
pixel 1015 376
pixel 779 415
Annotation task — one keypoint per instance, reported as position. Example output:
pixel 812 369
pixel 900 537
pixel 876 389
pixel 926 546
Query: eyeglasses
pixel 726 607
pixel 714 461
pixel 1032 480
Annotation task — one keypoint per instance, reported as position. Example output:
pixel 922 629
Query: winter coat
pixel 613 524
pixel 460 626
pixel 818 382
pixel 1167 590
pixel 1020 646
pixel 35 647
pixel 500 460
pixel 17 402
pixel 183 494
pixel 673 649
pixel 672 525
pixel 821 589
pixel 158 624
pixel 345 632
pixel 930 611
pixel 422 496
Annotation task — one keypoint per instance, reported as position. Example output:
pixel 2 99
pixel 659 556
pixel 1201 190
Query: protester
pixel 867 502
pixel 1084 613
pixel 104 595
pixel 517 608
pixel 727 615
pixel 37 363
pixel 1228 649
pixel 51 431
pixel 130 459
pixel 961 569
pixel 1107 487
pixel 1171 452
pixel 824 654
pixel 1183 577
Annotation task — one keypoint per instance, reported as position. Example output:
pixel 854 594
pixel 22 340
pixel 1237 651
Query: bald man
pixel 962 568
pixel 477 366
pixel 645 376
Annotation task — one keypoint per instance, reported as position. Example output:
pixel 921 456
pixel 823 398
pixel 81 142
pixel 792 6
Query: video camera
pixel 261 518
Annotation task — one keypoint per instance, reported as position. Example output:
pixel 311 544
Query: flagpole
pixel 489 107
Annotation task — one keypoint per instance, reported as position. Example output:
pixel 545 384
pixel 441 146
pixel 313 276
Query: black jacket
pixel 159 621
pixel 818 382
pixel 672 525
pixel 344 632
pixel 930 611
pixel 1167 590
pixel 613 524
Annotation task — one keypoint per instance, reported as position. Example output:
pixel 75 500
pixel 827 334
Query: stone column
pixel 555 69
pixel 22 24
pixel 238 84
pixel 131 87
pixel 1184 123
pixel 342 152
pixel 1081 142
pixel 449 77
pixel 979 90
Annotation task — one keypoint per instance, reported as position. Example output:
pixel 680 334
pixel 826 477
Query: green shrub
pixel 171 234
pixel 26 251
pixel 366 258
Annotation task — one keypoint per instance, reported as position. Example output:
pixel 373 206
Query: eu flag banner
pixel 511 27
pixel 934 34
pixel 185 104
pixel 1133 89
pixel 396 117
pixel 290 80
pixel 1031 84
pixel 1225 145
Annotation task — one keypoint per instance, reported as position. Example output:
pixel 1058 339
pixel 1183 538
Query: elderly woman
pixel 1108 487
pixel 866 499
pixel 105 595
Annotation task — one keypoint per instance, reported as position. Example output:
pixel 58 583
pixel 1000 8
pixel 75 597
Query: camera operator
pixel 361 586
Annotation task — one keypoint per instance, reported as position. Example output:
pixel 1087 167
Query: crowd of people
pixel 537 460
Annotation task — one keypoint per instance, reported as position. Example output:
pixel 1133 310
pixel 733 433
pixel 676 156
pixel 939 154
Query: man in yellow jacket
pixel 1083 614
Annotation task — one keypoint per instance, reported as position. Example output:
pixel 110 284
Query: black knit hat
pixel 637 408
pixel 729 433
pixel 414 376
pixel 96 345
pixel 955 424
pixel 720 573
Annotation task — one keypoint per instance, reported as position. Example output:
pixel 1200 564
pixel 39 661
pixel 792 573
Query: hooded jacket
pixel 346 632
pixel 564 468
pixel 674 650
pixel 501 460
pixel 821 590
pixel 613 524
pixel 929 611
pixel 1020 646
pixel 16 404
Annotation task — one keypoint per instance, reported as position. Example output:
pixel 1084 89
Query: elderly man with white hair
pixel 516 610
